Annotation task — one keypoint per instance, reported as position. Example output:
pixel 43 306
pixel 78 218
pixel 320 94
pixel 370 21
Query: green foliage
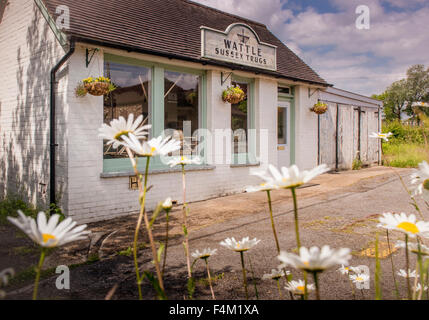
pixel 400 95
pixel 404 155
pixel 155 284
pixel 10 206
pixel 405 133
pixel 357 164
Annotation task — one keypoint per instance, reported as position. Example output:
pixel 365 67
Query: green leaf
pixel 155 214
pixel 185 231
pixel 191 287
pixel 154 282
pixel 378 294
pixel 160 250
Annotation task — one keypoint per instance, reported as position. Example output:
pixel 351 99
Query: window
pixel 131 96
pixel 240 121
pixel 281 125
pixel 181 107
pixel 284 90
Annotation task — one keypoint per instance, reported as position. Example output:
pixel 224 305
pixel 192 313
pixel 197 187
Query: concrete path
pixel 340 210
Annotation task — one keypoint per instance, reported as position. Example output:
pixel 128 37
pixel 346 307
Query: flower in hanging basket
pixel 233 95
pixel 95 86
pixel 319 108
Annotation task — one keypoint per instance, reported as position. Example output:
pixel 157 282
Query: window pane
pixel 131 96
pixel 281 122
pixel 284 90
pixel 239 121
pixel 181 104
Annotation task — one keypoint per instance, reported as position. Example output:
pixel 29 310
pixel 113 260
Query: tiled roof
pixel 169 28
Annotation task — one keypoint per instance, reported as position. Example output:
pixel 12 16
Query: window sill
pixel 157 171
pixel 239 165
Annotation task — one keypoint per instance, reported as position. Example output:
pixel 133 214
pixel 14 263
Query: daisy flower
pixel 204 254
pixel 379 135
pixel 239 246
pixel 421 178
pixel 315 259
pixel 275 274
pixel 290 177
pixel 118 128
pixel 49 234
pixel 406 224
pixel 359 278
pixel 411 273
pixel 167 204
pixel 183 160
pixel 419 287
pixel 413 247
pixel 346 270
pixel 156 146
pixel 261 187
pixel 5 275
pixel 298 287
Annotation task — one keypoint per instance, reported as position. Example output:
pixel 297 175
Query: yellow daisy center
pixel 408 227
pixel 300 288
pixel 121 133
pixel 426 184
pixel 46 237
pixel 152 150
pixel 359 279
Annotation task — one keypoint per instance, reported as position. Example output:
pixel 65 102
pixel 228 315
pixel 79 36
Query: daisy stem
pixel 210 278
pixel 393 267
pixel 280 290
pixel 407 266
pixel 272 221
pixel 166 242
pixel 139 220
pixel 185 223
pixel 38 271
pixel 244 274
pixel 316 283
pixel 253 278
pixel 353 288
pixel 305 285
pixel 420 266
pixel 295 212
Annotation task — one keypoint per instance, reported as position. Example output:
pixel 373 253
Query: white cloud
pixel 364 61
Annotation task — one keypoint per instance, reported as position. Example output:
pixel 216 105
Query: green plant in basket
pixel 233 95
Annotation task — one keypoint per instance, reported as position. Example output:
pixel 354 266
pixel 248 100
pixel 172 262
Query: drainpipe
pixel 53 144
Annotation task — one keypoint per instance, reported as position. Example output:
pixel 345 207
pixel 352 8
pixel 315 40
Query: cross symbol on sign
pixel 243 37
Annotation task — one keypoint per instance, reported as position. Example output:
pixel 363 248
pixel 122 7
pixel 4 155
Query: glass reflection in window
pixel 132 95
pixel 239 121
pixel 181 104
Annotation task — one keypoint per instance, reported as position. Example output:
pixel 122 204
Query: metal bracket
pixel 89 59
pixel 309 92
pixel 222 80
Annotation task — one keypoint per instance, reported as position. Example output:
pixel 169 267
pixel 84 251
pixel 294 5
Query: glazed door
pixel 283 134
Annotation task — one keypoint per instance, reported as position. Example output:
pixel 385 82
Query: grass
pixel 11 204
pixel 404 155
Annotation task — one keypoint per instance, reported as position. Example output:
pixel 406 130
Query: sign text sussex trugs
pixel 238 44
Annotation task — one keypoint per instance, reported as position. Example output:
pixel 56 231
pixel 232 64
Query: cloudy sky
pixel 324 34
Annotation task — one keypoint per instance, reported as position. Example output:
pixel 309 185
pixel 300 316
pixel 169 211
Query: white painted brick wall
pixel 94 198
pixel 28 51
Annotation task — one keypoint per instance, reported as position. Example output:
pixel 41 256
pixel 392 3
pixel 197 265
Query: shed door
pixel 327 136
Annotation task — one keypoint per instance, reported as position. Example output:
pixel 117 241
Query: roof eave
pixel 111 44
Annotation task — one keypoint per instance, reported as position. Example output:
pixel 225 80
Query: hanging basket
pixel 94 86
pixel 233 95
pixel 97 88
pixel 319 108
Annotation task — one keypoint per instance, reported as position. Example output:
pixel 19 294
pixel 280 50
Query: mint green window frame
pixel 156 109
pixel 250 156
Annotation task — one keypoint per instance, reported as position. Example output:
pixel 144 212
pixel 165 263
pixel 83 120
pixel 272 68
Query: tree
pixel 400 95
pixel 396 100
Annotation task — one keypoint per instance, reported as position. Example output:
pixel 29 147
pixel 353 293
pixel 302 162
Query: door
pixel 283 134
